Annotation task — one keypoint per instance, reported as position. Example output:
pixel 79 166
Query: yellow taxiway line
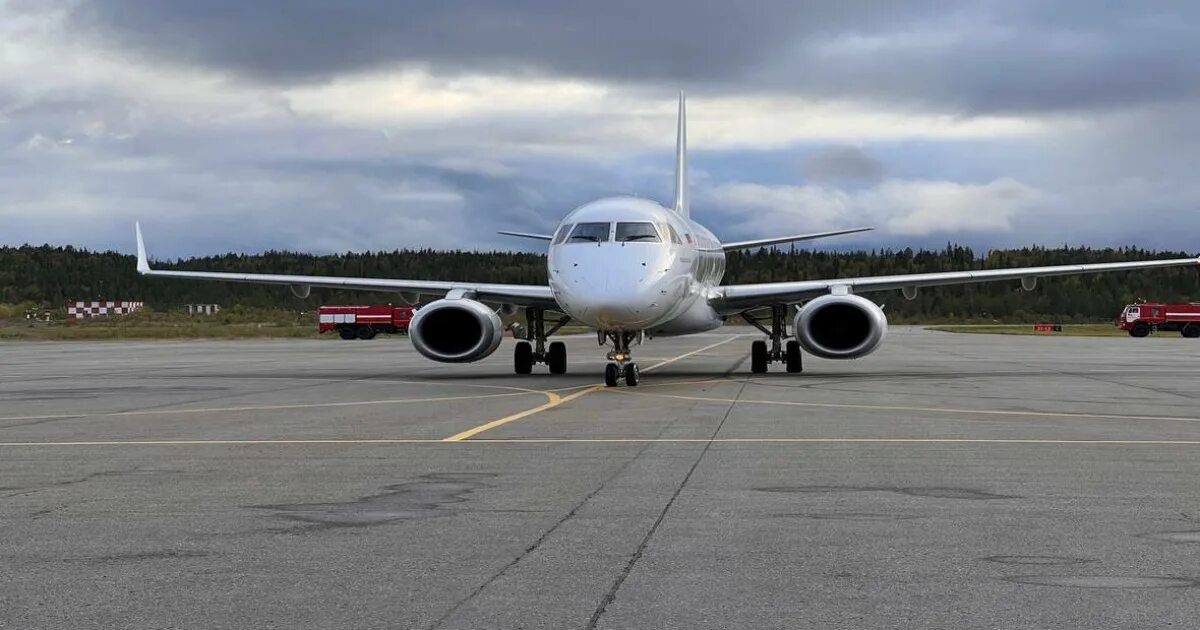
pixel 356 403
pixel 556 399
pixel 949 410
pixel 726 440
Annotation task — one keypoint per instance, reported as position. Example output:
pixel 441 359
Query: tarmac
pixel 949 480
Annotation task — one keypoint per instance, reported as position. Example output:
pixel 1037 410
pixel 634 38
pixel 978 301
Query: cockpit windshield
pixel 590 233
pixel 562 234
pixel 640 232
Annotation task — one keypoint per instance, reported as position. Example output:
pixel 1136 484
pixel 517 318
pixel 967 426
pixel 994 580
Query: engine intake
pixel 455 331
pixel 840 326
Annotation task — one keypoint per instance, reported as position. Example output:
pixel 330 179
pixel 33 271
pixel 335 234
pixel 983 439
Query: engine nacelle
pixel 840 326
pixel 455 331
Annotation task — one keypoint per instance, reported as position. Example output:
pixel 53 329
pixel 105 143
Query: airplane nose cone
pixel 626 301
pixel 611 288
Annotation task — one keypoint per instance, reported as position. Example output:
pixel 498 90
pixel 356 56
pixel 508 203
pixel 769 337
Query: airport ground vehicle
pixel 364 322
pixel 1142 319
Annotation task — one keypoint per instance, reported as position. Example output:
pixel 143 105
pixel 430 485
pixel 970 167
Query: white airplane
pixel 630 268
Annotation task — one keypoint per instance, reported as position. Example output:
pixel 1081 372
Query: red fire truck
pixel 364 322
pixel 1142 319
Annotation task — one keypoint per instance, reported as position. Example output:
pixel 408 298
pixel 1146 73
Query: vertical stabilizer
pixel 681 173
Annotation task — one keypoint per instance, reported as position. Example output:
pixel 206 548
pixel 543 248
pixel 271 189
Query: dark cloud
pixel 999 55
pixel 842 164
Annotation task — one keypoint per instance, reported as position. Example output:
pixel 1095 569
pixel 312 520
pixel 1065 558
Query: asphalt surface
pixel 950 480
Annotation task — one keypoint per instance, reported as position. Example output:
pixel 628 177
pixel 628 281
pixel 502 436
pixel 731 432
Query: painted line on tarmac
pixel 688 354
pixel 726 440
pixel 947 410
pixel 355 403
pixel 556 399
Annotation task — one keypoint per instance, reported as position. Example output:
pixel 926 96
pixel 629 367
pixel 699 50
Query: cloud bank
pixel 372 124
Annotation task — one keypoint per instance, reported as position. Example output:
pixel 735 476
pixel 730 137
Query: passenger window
pixel 590 232
pixel 640 232
pixel 562 234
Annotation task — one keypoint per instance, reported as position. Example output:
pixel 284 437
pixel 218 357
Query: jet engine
pixel 455 331
pixel 840 326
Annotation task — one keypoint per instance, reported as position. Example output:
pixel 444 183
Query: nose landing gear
pixel 525 354
pixel 622 360
pixel 788 354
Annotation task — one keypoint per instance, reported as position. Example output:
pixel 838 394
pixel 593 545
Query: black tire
pixel 795 363
pixel 758 357
pixel 1139 330
pixel 1191 331
pixel 611 374
pixel 632 374
pixel 523 358
pixel 347 333
pixel 366 332
pixel 556 357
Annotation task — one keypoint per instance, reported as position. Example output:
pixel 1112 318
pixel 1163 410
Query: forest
pixel 47 276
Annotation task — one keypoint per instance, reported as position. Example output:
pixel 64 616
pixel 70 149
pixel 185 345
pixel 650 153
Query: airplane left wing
pixel 763 242
pixel 516 294
pixel 740 297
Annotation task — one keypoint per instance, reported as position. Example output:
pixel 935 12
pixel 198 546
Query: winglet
pixel 682 205
pixel 143 265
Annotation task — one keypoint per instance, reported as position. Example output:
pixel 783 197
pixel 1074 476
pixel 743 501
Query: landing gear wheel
pixel 347 333
pixel 758 357
pixel 1139 330
pixel 611 374
pixel 792 357
pixel 523 358
pixel 366 332
pixel 632 374
pixel 556 358
pixel 1191 331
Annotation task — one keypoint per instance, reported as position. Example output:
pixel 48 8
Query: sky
pixel 228 125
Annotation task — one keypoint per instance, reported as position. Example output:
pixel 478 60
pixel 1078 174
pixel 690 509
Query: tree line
pixel 50 276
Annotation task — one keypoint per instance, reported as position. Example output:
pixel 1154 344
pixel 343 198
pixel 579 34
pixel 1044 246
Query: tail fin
pixel 681 174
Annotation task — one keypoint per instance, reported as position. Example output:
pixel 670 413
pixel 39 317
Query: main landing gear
pixel 622 365
pixel 786 353
pixel 525 355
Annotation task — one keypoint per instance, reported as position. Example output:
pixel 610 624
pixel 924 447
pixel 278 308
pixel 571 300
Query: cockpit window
pixel 640 232
pixel 669 230
pixel 590 233
pixel 562 233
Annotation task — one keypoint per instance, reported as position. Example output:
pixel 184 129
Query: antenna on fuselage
pixel 681 174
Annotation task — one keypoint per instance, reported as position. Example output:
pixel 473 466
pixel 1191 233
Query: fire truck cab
pixel 1142 319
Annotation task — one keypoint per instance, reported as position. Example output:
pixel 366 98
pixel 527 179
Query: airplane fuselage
pixel 630 264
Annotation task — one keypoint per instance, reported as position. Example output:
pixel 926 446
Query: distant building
pixel 203 309
pixel 98 308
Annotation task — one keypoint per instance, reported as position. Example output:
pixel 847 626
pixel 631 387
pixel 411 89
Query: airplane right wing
pixel 516 294
pixel 740 297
